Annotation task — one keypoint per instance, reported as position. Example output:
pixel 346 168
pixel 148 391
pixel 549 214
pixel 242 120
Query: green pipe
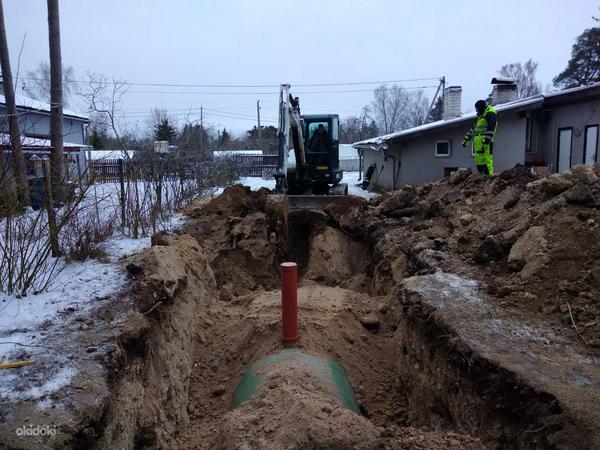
pixel 326 369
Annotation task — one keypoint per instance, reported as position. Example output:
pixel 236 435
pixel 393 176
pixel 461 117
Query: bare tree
pixel 524 75
pixel 388 105
pixel 396 109
pixel 416 109
pixel 37 85
pixel 56 106
pixel 13 121
pixel 358 128
pixel 105 99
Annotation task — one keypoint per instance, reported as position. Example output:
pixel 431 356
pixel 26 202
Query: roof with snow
pixel 537 101
pixel 32 142
pixel 237 152
pixel 36 105
pixel 97 155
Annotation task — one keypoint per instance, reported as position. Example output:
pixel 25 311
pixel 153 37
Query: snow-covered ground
pixel 255 183
pixel 79 286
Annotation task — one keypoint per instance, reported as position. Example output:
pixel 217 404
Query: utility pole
pixel 57 158
pixel 258 117
pixel 201 132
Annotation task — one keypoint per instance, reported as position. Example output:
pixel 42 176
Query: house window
pixel 590 146
pixel 443 149
pixel 528 135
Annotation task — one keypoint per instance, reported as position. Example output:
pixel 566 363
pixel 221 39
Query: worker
pixel 482 135
pixel 318 141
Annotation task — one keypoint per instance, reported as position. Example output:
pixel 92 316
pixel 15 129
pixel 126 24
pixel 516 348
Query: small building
pixel 34 124
pixel 349 160
pixel 549 133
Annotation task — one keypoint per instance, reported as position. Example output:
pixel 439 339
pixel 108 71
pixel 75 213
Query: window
pixel 590 146
pixel 528 135
pixel 312 126
pixel 443 149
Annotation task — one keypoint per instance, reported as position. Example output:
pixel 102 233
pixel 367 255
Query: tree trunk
pixel 13 121
pixel 56 107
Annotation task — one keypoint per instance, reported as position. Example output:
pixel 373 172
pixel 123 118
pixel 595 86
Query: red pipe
pixel 289 303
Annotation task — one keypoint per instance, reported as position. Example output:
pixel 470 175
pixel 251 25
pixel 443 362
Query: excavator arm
pixel 289 122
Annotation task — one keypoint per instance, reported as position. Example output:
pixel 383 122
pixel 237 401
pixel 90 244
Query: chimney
pixel 452 96
pixel 504 90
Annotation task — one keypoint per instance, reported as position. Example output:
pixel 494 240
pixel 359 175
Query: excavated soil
pixel 429 371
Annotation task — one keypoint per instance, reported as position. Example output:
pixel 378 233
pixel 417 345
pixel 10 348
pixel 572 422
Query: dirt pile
pixel 241 229
pixel 534 242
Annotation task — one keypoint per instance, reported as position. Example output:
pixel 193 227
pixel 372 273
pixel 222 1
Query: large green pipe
pixel 326 369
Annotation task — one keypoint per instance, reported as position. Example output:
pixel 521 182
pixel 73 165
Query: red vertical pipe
pixel 289 303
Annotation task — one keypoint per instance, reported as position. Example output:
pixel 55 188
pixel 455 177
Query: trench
pixel 412 376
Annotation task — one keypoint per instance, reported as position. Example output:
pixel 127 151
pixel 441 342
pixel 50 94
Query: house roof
pixel 237 152
pixel 31 142
pixel 36 105
pixel 97 155
pixel 574 94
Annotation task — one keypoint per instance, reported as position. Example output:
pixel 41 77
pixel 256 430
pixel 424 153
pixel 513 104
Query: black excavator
pixel 310 175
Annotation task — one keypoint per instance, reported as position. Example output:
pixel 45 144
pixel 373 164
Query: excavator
pixel 310 175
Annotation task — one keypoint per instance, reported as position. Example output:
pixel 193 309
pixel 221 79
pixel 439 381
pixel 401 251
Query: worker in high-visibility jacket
pixel 482 135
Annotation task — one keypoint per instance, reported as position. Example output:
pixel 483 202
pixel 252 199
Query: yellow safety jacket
pixel 483 132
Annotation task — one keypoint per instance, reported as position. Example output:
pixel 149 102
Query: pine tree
pixel 95 140
pixel 437 112
pixel 584 66
pixel 165 131
pixel 225 137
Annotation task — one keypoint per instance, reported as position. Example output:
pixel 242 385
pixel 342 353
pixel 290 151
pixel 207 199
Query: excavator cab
pixel 322 150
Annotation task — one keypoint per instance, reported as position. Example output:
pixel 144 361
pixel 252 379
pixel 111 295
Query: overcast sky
pixel 303 42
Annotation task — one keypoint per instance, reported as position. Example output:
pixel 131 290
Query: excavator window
pixel 312 127
pixel 318 137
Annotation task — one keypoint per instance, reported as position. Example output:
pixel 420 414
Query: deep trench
pixel 410 371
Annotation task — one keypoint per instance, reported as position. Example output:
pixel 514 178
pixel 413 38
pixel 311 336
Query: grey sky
pixel 301 42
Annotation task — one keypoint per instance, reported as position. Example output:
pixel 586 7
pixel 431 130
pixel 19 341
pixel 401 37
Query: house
pixel 34 122
pixel 349 161
pixel 550 132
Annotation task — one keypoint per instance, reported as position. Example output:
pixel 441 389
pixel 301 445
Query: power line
pixel 273 93
pixel 350 83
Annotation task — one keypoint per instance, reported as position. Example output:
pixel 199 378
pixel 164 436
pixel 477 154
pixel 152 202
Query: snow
pixel 220 153
pixel 109 154
pixel 80 286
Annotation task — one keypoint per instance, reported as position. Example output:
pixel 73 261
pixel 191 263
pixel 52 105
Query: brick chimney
pixel 452 100
pixel 504 90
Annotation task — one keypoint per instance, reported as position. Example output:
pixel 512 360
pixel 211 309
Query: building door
pixel 565 136
pixel 590 147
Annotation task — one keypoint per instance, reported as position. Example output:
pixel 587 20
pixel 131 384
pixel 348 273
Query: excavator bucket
pixel 311 201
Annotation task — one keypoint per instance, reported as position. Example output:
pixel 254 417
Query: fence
pixel 254 165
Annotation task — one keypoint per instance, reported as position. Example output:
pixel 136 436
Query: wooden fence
pixel 111 170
